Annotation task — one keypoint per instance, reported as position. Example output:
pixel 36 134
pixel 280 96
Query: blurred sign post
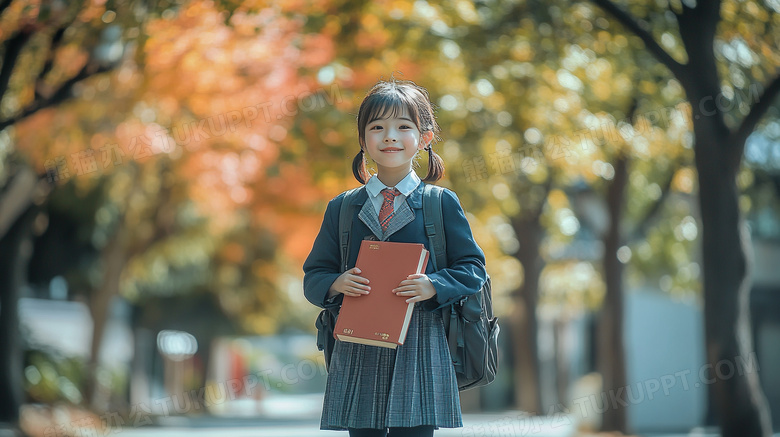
pixel 177 349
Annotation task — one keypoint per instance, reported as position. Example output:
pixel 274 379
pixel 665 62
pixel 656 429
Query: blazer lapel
pixel 401 218
pixel 368 216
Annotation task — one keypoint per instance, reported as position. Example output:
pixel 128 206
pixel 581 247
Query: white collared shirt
pixel 406 186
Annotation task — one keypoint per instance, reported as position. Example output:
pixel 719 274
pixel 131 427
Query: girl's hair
pixel 389 99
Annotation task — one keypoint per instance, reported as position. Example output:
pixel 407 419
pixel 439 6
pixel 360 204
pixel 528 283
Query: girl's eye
pixel 375 127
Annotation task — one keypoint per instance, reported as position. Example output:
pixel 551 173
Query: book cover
pixel 381 318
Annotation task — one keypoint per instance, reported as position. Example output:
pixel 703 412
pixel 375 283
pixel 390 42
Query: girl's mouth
pixel 391 149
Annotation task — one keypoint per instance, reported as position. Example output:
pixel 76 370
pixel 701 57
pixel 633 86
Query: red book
pixel 381 318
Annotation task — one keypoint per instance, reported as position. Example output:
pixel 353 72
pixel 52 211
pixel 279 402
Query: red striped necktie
pixel 386 211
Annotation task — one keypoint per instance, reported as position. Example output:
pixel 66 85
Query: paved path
pixel 508 424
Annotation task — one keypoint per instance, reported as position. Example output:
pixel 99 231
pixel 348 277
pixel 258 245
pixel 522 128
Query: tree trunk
pixel 523 322
pixel 15 253
pixel 611 360
pixel 20 202
pixel 738 397
pixel 113 259
pixel 740 402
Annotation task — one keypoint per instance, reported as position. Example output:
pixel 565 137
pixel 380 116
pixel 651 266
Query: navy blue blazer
pixel 464 275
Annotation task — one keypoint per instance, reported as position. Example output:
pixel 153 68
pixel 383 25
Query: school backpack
pixel 471 327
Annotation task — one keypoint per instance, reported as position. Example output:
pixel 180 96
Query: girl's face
pixel 394 141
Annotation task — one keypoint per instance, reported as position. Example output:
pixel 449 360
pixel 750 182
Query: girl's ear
pixel 426 139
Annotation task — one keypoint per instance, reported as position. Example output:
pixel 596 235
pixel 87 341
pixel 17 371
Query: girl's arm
pixel 466 272
pixel 321 267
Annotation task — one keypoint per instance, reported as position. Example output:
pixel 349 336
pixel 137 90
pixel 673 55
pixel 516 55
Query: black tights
pixel 416 431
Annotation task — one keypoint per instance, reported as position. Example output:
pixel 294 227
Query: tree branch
pixel 56 41
pixel 61 95
pixel 13 47
pixel 4 5
pixel 17 197
pixel 652 46
pixel 758 110
pixel 640 231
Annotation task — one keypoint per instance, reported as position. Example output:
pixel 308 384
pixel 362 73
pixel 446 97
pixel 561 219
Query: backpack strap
pixel 345 220
pixel 326 321
pixel 434 229
pixel 434 225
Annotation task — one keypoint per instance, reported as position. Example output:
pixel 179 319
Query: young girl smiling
pixel 411 390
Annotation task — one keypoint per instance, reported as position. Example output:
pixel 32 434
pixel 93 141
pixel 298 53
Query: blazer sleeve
pixel 465 273
pixel 322 266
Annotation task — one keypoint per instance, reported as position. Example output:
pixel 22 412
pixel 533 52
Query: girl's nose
pixel 390 139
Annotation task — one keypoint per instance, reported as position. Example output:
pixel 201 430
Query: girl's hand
pixel 418 285
pixel 350 283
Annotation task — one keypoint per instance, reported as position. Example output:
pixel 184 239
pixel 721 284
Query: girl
pixel 412 389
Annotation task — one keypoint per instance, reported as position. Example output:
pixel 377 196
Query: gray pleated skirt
pixel 412 385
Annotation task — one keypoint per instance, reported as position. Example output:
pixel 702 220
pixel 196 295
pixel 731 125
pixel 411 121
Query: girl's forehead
pixel 391 112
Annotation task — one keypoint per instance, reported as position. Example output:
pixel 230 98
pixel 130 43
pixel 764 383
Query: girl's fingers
pixel 356 278
pixel 361 289
pixel 354 292
pixel 409 281
pixel 359 286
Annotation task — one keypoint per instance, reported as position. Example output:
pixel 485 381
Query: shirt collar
pixel 406 186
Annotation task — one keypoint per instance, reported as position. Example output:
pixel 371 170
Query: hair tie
pixel 429 148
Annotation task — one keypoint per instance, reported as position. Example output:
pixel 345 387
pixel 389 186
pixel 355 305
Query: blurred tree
pixel 199 90
pixel 617 126
pixel 548 141
pixel 719 144
pixel 49 30
pixel 617 234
